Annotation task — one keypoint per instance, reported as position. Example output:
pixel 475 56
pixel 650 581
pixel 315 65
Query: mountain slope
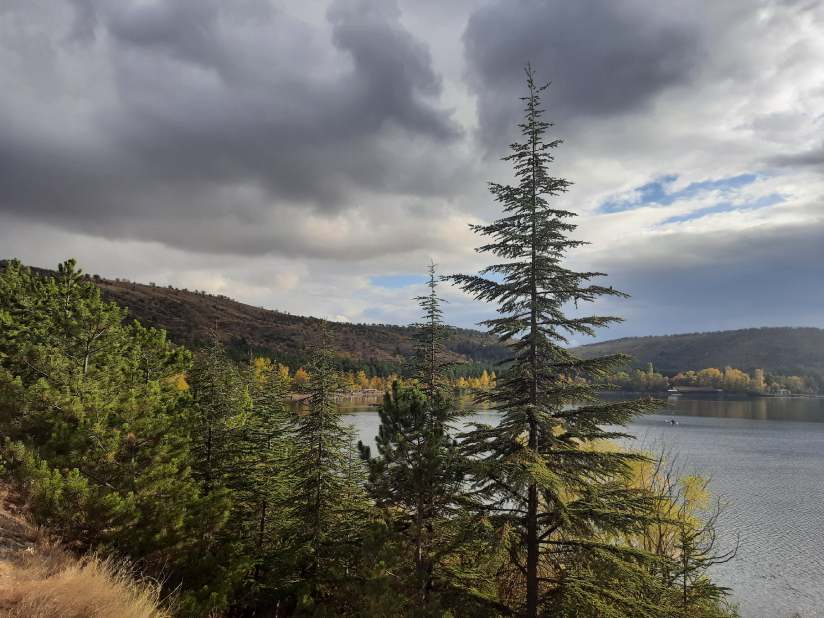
pixel 189 317
pixel 771 349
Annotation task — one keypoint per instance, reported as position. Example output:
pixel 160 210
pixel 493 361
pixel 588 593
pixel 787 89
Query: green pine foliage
pixel 261 490
pixel 329 511
pixel 534 471
pixel 90 419
pixel 429 363
pixel 221 408
pixel 218 410
pixel 418 478
pixel 260 521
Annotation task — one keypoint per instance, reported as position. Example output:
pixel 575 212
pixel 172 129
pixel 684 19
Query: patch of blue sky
pixel 761 202
pixel 658 192
pixel 396 282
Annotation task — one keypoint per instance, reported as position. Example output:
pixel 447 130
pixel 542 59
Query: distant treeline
pixel 240 351
pixel 728 379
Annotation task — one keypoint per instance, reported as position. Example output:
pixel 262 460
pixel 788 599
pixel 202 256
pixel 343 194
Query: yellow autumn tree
pixel 735 380
pixel 484 381
pixel 757 382
pixel 301 377
pixel 179 381
pixel 261 369
pixel 710 377
pixel 681 529
pixel 795 384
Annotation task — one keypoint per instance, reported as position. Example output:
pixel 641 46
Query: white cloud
pixel 285 156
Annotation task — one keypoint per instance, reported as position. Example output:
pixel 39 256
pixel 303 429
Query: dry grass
pixel 40 579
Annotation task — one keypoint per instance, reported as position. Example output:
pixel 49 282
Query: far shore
pixel 374 392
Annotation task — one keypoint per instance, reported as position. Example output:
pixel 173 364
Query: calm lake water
pixel 766 460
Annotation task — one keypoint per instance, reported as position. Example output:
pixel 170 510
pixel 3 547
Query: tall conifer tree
pixel 430 362
pixel 262 488
pixel 533 469
pixel 327 509
pixel 220 399
pixel 418 473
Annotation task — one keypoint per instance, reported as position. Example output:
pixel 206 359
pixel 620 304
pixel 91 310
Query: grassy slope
pixel 39 578
pixel 789 350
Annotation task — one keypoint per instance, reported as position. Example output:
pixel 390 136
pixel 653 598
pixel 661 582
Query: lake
pixel 766 460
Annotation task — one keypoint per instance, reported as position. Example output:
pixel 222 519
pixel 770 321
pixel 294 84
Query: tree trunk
pixel 533 547
pixel 532 541
pixel 419 561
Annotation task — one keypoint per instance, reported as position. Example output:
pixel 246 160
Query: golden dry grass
pixel 40 579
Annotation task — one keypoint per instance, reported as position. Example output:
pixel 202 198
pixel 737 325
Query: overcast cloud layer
pixel 313 156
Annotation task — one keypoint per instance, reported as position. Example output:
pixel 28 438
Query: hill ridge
pixel 188 317
pixel 772 348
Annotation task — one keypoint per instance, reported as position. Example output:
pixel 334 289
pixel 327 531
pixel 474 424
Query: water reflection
pixel 796 409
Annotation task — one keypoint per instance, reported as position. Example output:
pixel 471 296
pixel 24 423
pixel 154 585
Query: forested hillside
pixel 790 350
pixel 189 316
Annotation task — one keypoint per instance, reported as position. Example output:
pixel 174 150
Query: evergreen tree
pixel 220 412
pixel 89 410
pixel 262 488
pixel 532 469
pixel 418 473
pixel 328 511
pixel 221 409
pixel 429 363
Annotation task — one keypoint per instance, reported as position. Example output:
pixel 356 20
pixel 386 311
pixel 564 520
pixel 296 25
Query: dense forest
pixel 189 464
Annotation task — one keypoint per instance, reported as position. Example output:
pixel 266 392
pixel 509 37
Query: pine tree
pixel 262 487
pixel 418 473
pixel 221 409
pixel 89 408
pixel 328 511
pixel 532 469
pixel 429 362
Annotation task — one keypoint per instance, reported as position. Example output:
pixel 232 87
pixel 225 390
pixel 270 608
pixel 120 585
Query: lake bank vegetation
pixel 758 382
pixel 192 466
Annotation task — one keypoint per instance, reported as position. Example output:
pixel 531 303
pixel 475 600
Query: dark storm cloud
pixel 207 109
pixel 809 158
pixel 770 275
pixel 603 58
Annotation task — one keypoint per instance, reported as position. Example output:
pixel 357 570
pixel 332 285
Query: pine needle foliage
pixel 220 401
pixel 429 362
pixel 418 475
pixel 328 510
pixel 262 488
pixel 88 410
pixel 531 469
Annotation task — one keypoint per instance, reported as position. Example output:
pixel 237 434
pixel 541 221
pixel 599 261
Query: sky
pixel 314 156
